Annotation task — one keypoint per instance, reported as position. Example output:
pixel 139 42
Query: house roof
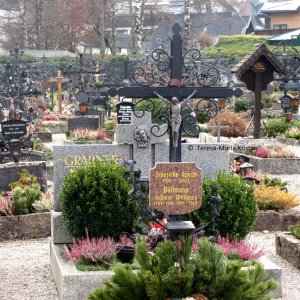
pixel 286 36
pixel 259 51
pixel 280 6
pixel 213 24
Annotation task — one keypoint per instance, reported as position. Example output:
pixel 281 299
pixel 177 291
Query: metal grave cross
pixel 177 86
pixel 218 127
pixel 59 79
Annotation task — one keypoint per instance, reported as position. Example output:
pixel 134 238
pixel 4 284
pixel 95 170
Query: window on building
pixel 280 26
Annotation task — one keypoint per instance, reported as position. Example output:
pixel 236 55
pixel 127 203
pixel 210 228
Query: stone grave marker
pixel 90 122
pixel 124 110
pixel 175 188
pixel 13 129
pixel 25 156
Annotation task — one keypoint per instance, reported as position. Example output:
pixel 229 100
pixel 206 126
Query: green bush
pixel 95 197
pixel 295 230
pixel 277 126
pixel 172 272
pixel 157 107
pixel 238 206
pixel 24 198
pixel 241 105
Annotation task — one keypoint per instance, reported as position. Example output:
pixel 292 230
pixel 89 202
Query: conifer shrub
pixel 238 206
pixel 172 271
pixel 277 126
pixel 95 196
pixel 241 105
pixel 272 197
pixel 236 122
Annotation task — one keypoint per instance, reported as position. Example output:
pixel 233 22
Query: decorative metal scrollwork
pixel 189 125
pixel 190 59
pixel 155 71
pixel 207 75
pixel 207 106
pixel 160 113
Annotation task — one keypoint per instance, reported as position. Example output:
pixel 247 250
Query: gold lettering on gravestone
pixel 175 188
pixel 78 160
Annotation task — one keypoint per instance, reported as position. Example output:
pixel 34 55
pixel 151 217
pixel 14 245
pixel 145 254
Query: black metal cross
pixel 179 85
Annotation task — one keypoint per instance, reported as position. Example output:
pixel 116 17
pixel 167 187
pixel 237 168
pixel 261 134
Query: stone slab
pixel 175 188
pixel 288 247
pixel 274 272
pixel 210 158
pixel 59 233
pixel 72 284
pixel 68 157
pixel 29 226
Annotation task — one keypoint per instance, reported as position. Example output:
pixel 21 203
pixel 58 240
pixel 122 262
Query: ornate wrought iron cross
pixel 176 79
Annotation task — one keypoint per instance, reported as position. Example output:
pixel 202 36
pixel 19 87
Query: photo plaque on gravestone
pixel 175 188
pixel 13 129
pixel 124 111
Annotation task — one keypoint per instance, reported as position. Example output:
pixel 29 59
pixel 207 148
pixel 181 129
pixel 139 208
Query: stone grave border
pixel 288 247
pixel 76 285
pixel 30 226
pixel 272 165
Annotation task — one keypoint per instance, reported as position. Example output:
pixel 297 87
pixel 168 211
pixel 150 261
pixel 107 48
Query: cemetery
pixel 150 177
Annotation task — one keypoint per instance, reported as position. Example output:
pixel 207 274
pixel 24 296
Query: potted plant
pixel 125 249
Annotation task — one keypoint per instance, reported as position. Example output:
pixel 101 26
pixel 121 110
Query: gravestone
pixel 175 188
pixel 89 122
pixel 13 129
pixel 124 111
pixel 5 157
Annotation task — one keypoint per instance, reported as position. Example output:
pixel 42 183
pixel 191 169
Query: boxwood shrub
pixel 95 196
pixel 238 206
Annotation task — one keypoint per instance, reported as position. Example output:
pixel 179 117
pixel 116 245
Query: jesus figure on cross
pixel 175 114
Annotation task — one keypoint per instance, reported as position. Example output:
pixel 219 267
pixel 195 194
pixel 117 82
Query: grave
pixel 139 141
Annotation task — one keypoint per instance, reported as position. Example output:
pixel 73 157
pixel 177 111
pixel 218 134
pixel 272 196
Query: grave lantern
pixel 246 169
pixel 221 103
pixel 83 99
pixel 15 149
pixel 285 102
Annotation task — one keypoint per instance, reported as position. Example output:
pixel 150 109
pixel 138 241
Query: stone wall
pixel 25 226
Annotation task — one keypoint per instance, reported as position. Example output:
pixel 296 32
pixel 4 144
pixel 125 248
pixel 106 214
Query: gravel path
pixel 25 271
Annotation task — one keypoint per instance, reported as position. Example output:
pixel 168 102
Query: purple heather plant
pixel 243 250
pixel 93 250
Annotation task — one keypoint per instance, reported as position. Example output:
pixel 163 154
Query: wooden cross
pixel 218 127
pixel 59 79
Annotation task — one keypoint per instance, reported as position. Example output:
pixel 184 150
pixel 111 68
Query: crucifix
pixel 59 79
pixel 218 127
pixel 177 88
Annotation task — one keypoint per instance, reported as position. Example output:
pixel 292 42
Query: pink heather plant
pixel 263 152
pixel 93 250
pixel 241 248
pixel 83 134
pixel 126 241
pixel 6 205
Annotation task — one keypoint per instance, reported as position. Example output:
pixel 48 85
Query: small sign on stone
pixel 175 188
pixel 124 110
pixel 13 129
